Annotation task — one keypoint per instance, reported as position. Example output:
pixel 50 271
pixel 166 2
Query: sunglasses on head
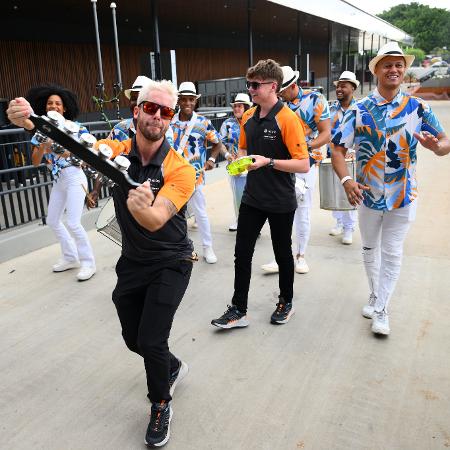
pixel 256 84
pixel 152 108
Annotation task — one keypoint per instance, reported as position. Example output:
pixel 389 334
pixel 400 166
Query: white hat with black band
pixel 290 76
pixel 187 88
pixel 390 49
pixel 138 84
pixel 346 75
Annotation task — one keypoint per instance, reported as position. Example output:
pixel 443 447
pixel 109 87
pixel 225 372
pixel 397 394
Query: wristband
pixel 227 155
pixel 213 160
pixel 346 178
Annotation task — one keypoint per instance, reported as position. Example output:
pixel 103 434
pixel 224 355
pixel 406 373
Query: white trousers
pixel 237 184
pixel 197 204
pixel 346 219
pixel 383 234
pixel 302 218
pixel 68 194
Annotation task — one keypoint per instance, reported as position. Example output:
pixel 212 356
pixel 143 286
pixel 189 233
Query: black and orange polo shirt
pixel 278 135
pixel 171 176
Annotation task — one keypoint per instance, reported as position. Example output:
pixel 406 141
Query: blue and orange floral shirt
pixel 229 132
pixel 336 115
pixel 54 161
pixel 312 108
pixel 195 149
pixel 125 130
pixel 382 134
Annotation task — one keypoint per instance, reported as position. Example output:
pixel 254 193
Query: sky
pixel 378 6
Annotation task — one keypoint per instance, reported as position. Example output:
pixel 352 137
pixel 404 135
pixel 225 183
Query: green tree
pixel 417 52
pixel 430 27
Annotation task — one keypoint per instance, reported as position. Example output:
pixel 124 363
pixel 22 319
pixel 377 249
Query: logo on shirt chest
pixel 269 135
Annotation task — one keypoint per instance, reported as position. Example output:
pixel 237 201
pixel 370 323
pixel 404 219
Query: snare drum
pixel 332 193
pixel 107 223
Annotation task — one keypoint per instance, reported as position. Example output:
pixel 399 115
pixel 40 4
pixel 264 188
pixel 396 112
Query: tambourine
pixel 240 165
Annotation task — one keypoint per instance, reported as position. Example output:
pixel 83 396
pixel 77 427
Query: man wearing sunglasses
pixel 125 129
pixel 191 132
pixel 273 136
pixel 154 268
pixel 312 108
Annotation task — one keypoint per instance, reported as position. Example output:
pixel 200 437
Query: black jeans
pixel 250 222
pixel 146 299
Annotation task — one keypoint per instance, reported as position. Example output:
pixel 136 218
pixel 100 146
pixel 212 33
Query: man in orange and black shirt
pixel 154 269
pixel 273 135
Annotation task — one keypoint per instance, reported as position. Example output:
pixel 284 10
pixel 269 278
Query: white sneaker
pixel 380 323
pixel 347 239
pixel 368 309
pixel 301 266
pixel 233 227
pixel 271 267
pixel 63 265
pixel 85 273
pixel 209 255
pixel 337 230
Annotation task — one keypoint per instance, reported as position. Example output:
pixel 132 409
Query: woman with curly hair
pixel 69 186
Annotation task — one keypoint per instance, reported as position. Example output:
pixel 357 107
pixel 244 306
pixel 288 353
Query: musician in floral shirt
pixel 190 133
pixel 385 128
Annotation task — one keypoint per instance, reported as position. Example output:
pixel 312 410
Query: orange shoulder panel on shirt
pixel 242 137
pixel 293 133
pixel 179 179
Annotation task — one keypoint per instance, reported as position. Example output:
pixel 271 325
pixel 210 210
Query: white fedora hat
pixel 242 98
pixel 188 88
pixel 290 76
pixel 390 49
pixel 346 75
pixel 138 84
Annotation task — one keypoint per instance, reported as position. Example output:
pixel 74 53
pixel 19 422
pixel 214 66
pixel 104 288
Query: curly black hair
pixel 38 96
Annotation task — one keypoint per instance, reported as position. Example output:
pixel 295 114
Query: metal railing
pixel 25 189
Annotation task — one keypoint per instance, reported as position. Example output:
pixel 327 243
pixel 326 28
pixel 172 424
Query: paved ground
pixel 322 381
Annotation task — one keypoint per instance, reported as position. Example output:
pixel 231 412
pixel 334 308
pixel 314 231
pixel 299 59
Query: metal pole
pixel 118 84
pixel 158 71
pixel 97 37
pixel 329 60
pixel 371 52
pixel 116 45
pixel 250 33
pixel 348 49
pixel 299 44
pixel 363 71
pixel 101 84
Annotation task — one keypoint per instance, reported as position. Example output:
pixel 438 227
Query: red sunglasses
pixel 152 108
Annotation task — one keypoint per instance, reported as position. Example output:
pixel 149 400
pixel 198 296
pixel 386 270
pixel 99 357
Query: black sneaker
pixel 282 313
pixel 231 318
pixel 158 430
pixel 178 375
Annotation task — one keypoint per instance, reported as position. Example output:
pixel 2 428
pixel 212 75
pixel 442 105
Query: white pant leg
pixel 198 204
pixel 75 179
pixel 56 206
pixel 337 215
pixel 396 224
pixel 302 225
pixel 302 218
pixel 370 222
pixel 349 219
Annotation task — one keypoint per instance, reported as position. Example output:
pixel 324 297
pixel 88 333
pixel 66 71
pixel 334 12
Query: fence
pixel 25 189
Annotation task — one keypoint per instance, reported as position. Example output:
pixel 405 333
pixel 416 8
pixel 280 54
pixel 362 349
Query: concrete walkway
pixel 322 381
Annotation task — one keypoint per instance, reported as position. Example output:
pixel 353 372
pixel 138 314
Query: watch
pixel 271 163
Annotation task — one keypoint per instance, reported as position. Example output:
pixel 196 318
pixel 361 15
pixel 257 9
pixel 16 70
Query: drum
pixel 237 187
pixel 107 223
pixel 332 193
